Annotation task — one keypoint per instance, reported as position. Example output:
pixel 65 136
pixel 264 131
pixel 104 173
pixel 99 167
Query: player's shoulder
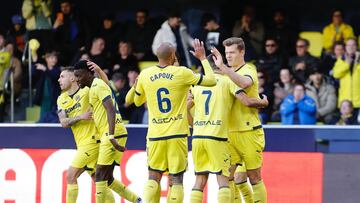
pixel 63 99
pixel 98 83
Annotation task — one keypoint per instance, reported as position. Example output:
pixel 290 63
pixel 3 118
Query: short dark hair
pixel 307 43
pixel 338 10
pixel 235 40
pixel 143 10
pixel 174 14
pixel 81 65
pixel 338 43
pixel 207 17
pixel 117 76
pixel 65 1
pixel 67 68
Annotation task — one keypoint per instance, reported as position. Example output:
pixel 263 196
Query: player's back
pixel 244 118
pixel 166 90
pixel 99 92
pixel 212 108
pixel 84 130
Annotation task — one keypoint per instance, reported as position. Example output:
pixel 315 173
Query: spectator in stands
pixel 37 14
pixel 251 31
pixel 303 63
pixel 17 34
pixel 324 94
pixel 97 54
pixel 298 108
pixel 347 70
pixel 16 67
pixel 211 33
pixel 175 32
pixel 348 116
pixel 141 34
pixel 281 30
pixel 124 60
pixel 271 61
pixel 328 61
pixel 267 89
pixel 281 90
pixel 112 33
pixel 337 30
pixel 118 85
pixel 69 30
pixel 46 83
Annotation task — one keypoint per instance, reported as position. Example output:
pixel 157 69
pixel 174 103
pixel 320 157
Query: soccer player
pixel 210 132
pixel 165 87
pixel 113 133
pixel 73 111
pixel 246 135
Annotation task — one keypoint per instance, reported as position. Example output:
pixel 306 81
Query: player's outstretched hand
pixel 116 145
pixel 264 101
pixel 217 57
pixel 93 66
pixel 86 116
pixel 199 50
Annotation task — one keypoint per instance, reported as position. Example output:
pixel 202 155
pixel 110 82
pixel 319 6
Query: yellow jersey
pixel 74 105
pixel 99 92
pixel 212 109
pixel 165 89
pixel 245 118
pixel 5 59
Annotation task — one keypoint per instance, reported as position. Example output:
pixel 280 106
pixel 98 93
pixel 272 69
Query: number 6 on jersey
pixel 163 101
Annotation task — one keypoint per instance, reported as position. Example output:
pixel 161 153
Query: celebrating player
pixel 113 133
pixel 246 135
pixel 73 111
pixel 210 132
pixel 164 87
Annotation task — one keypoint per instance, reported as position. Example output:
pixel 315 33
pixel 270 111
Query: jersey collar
pixel 240 67
pixel 72 95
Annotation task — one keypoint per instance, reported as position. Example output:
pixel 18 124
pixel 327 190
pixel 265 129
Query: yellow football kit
pixel 165 90
pixel 85 134
pixel 100 92
pixel 246 135
pixel 212 107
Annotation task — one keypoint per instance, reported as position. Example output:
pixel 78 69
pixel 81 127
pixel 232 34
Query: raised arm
pixel 241 81
pixel 95 68
pixel 139 96
pixel 208 79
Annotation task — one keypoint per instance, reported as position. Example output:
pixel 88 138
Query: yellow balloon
pixel 34 44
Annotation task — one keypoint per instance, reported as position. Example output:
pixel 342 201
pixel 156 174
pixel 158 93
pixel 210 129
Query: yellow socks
pixel 123 191
pixel 168 194
pixel 245 191
pixel 109 196
pixel 224 195
pixel 101 188
pixel 157 196
pixel 71 193
pixel 177 194
pixel 196 196
pixel 150 190
pixel 260 194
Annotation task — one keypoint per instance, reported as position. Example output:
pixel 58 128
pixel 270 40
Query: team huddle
pixel 221 105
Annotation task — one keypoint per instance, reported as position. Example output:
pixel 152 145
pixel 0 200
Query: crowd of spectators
pixel 301 88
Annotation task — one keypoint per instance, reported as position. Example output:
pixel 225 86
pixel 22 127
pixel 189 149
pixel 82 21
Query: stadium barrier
pixel 34 159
